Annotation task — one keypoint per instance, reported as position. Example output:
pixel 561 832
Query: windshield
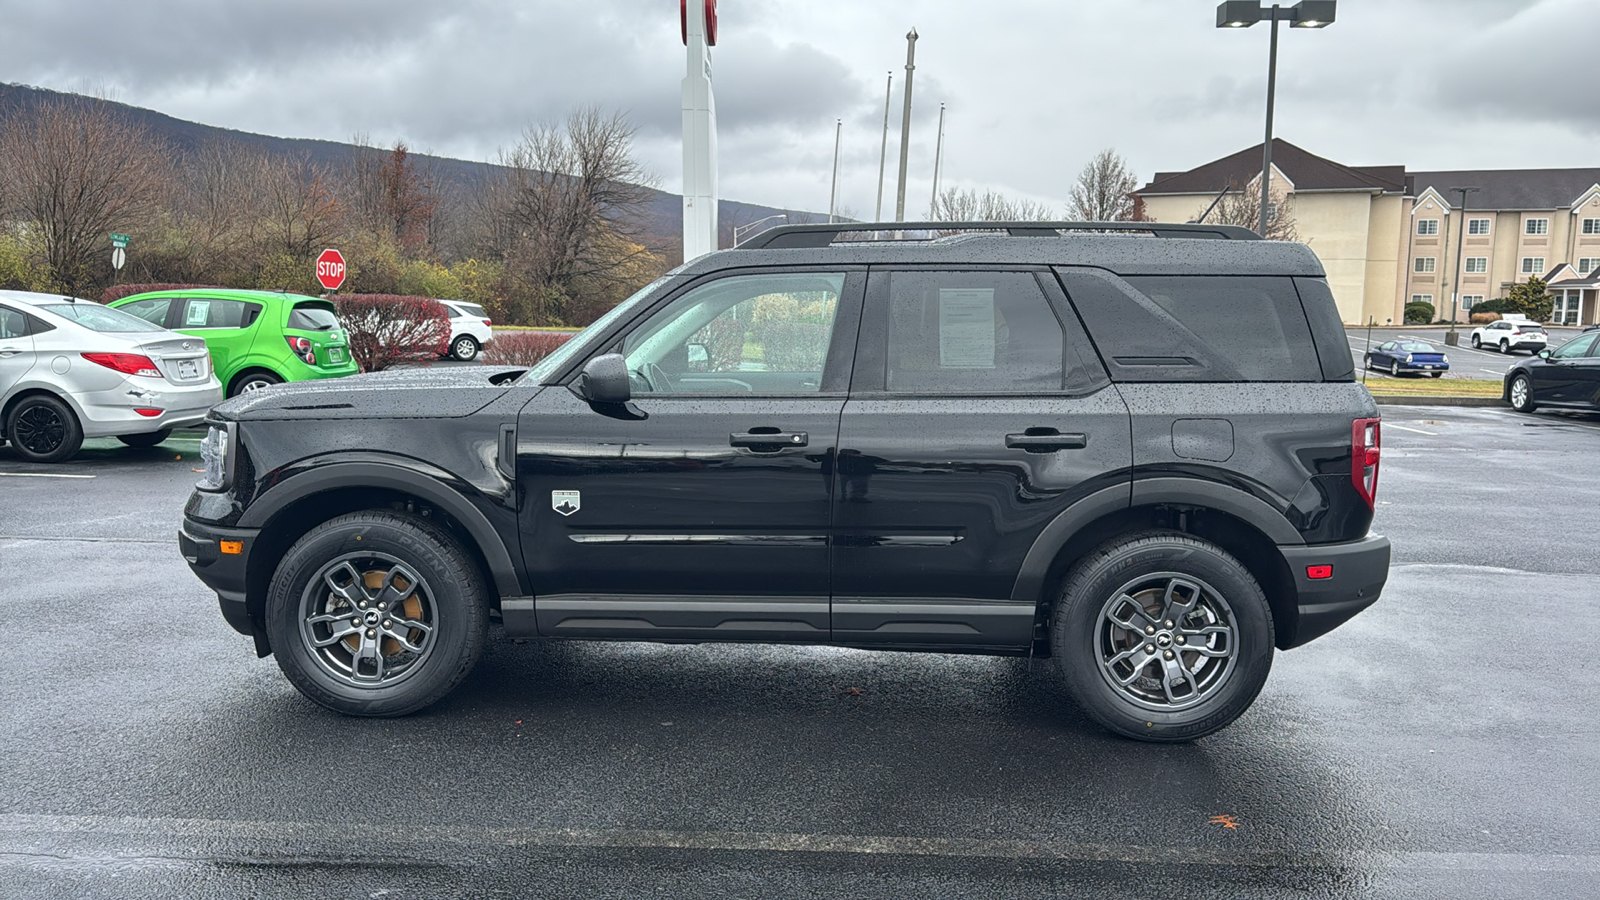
pixel 95 317
pixel 315 316
pixel 562 355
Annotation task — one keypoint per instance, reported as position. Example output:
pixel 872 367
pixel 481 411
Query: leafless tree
pixel 394 194
pixel 1104 190
pixel 956 205
pixel 300 212
pixel 568 209
pixel 76 171
pixel 1242 206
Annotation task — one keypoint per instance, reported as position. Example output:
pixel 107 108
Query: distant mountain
pixel 663 217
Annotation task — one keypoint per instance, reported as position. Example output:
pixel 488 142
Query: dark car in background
pixel 1567 377
pixel 1406 356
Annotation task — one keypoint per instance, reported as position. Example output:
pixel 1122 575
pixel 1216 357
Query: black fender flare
pixel 421 481
pixel 1145 492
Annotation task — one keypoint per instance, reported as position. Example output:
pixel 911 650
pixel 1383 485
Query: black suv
pixel 1139 450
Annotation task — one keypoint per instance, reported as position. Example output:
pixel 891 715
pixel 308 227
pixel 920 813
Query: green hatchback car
pixel 256 338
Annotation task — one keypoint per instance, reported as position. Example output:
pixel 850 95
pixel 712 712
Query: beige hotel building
pixel 1387 236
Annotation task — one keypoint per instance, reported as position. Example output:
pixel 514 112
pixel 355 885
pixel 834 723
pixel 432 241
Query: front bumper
pixel 202 548
pixel 1359 571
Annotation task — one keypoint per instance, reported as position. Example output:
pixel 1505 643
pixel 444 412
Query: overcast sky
pixel 1033 87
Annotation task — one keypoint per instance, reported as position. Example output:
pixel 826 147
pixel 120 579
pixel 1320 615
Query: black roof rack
pixel 786 237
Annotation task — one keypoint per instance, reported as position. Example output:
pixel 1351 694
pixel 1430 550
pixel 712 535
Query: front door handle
pixel 768 440
pixel 1046 440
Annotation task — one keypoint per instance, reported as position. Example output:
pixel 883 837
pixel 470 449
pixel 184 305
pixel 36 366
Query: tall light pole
pixel 1450 337
pixel 699 18
pixel 1243 14
pixel 938 158
pixel 883 152
pixel 905 127
pixel 833 192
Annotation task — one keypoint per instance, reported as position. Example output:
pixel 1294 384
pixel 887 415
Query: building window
pixel 1468 299
pixel 1422 265
pixel 1536 226
pixel 1532 265
pixel 1477 226
pixel 1591 226
pixel 1477 265
pixel 1427 226
pixel 1588 264
pixel 1422 298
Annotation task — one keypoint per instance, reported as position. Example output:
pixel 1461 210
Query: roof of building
pixel 1508 188
pixel 1306 170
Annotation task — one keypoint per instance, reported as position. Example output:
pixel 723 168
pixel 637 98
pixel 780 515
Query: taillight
pixel 302 348
pixel 488 321
pixel 126 363
pixel 1366 440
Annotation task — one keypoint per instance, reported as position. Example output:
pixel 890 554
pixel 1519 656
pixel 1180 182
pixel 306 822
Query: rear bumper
pixel 1359 571
pixel 201 546
pixel 108 413
pixel 1425 367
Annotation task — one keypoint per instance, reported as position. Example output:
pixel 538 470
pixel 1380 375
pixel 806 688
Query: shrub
pixel 1418 313
pixel 1484 318
pixel 386 329
pixel 1497 305
pixel 117 292
pixel 523 348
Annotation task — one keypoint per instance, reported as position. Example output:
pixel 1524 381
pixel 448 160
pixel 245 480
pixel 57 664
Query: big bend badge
pixel 565 502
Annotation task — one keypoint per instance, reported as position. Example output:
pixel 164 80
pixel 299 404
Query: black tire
pixel 1221 588
pixel 251 380
pixel 1505 346
pixel 450 603
pixel 148 439
pixel 1521 394
pixel 1476 344
pixel 43 429
pixel 1394 370
pixel 464 348
pixel 1436 374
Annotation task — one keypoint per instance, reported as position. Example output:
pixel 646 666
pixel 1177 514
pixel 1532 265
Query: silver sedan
pixel 71 369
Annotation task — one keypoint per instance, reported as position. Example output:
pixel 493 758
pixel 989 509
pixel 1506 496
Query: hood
pixel 430 393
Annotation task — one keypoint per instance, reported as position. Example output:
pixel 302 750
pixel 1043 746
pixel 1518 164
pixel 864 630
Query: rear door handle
pixel 1042 440
pixel 768 439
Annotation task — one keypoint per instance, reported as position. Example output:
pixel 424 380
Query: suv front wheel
pixel 1162 637
pixel 376 614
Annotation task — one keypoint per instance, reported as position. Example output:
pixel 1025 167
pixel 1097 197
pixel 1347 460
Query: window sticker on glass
pixel 198 313
pixel 966 328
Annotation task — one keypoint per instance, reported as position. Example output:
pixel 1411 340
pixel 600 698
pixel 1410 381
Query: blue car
pixel 1399 357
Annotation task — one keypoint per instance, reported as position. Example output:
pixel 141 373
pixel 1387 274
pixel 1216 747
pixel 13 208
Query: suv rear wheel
pixel 464 348
pixel 376 614
pixel 1162 636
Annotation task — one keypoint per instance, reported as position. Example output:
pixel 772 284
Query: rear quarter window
pixel 1197 328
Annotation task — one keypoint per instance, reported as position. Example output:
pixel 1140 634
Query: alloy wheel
pixel 1519 393
pixel 368 620
pixel 40 429
pixel 1166 641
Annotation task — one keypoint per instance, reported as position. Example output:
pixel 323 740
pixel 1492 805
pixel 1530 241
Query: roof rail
pixel 786 237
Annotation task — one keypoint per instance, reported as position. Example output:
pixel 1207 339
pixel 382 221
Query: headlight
pixel 216 451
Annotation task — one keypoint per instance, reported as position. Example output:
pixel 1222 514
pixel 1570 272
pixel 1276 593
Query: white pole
pixel 833 192
pixel 905 127
pixel 938 160
pixel 699 139
pixel 883 152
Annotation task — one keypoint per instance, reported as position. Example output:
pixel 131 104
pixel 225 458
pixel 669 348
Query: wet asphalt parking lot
pixel 1465 362
pixel 1442 744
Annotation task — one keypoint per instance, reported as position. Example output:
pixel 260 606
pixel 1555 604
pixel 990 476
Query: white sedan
pixel 71 369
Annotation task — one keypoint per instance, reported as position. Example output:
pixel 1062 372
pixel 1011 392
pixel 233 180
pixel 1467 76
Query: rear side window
pixel 13 324
pixel 317 315
pixel 471 310
pixel 973 332
pixel 1196 328
pixel 215 313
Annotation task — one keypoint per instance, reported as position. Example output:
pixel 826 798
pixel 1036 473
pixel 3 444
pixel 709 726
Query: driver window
pixel 765 334
pixel 1576 347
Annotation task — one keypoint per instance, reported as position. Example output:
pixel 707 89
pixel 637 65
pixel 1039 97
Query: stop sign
pixel 330 269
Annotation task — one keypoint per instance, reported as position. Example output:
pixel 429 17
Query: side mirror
pixel 699 358
pixel 1544 354
pixel 604 379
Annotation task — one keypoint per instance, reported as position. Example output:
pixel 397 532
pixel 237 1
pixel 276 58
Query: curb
pixel 1425 400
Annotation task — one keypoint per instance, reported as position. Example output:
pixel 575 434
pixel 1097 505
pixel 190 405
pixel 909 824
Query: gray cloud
pixel 1034 87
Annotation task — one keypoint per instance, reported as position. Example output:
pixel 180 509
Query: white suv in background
pixel 1507 335
pixel 470 329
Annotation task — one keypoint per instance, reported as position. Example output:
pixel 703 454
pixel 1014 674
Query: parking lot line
pixel 1408 428
pixel 39 475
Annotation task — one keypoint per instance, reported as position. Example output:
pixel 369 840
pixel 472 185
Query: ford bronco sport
pixel 1137 449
